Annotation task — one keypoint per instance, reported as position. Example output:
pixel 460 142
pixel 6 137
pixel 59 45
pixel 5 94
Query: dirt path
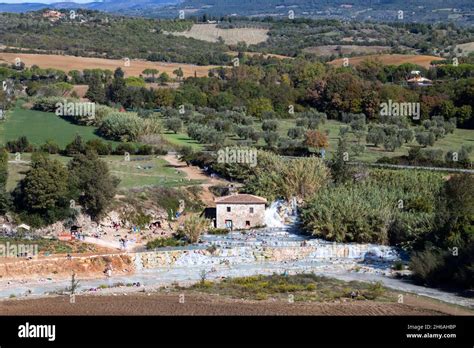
pixel 196 173
pixel 198 304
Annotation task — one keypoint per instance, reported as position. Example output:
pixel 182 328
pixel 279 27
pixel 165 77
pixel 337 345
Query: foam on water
pixel 272 217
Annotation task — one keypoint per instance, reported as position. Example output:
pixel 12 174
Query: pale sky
pixel 42 1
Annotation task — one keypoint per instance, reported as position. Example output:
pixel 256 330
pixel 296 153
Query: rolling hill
pixel 459 11
pixel 105 5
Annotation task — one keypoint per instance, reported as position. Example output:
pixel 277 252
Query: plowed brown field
pixel 391 59
pixel 68 63
pixel 197 304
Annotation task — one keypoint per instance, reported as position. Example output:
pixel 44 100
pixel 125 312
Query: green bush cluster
pixel 165 242
pixel 390 206
pixel 128 126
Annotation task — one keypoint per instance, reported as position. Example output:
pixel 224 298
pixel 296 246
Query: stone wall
pixel 250 254
pixel 239 214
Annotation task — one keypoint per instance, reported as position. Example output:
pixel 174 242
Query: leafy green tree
pixel 43 191
pixel 4 196
pixel 455 212
pixel 407 135
pixel 50 146
pixel 271 138
pixel 258 106
pixel 133 81
pixel 174 124
pixel 22 144
pixel 91 183
pixel 101 147
pixel 448 253
pixel 296 132
pixel 164 77
pixel 269 125
pixel 117 91
pixel 425 138
pixel 303 177
pixel 244 131
pixel 3 168
pixel 152 72
pixel 75 147
pixel 340 171
pixel 376 136
pixel 128 126
pixel 179 73
pixel 186 154
pixel 392 142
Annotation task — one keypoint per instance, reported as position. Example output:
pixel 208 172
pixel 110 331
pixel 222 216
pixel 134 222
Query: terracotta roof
pixel 240 199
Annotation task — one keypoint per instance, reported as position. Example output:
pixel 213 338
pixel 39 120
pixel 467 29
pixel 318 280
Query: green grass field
pixel 146 171
pixel 182 139
pixel 371 154
pixel 39 127
pixel 449 142
pixel 140 171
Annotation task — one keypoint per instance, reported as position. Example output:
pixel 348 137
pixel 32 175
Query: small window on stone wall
pixel 251 210
pixel 228 209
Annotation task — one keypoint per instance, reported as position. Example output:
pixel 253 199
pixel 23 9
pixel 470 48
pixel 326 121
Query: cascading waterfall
pixel 138 262
pixel 272 218
pixel 294 206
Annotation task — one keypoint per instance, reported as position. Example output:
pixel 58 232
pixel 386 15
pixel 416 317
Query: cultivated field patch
pixel 391 59
pixel 328 50
pixel 68 63
pixel 211 33
pixel 466 48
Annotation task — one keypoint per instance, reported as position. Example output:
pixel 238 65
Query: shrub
pixel 391 143
pixel 349 214
pixel 376 135
pixel 101 112
pixel 164 242
pixel 425 265
pixel 370 211
pixel 425 138
pixel 276 178
pixel 316 139
pixel 50 146
pixel 269 125
pixel 20 145
pixel 77 146
pixel 128 126
pixel 102 148
pixel 193 227
pixel 296 132
pixel 398 266
pixel 174 124
pixel 144 150
pixel 374 291
pixel 303 177
pixel 271 138
pixel 218 231
pixel 123 148
pixel 48 104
